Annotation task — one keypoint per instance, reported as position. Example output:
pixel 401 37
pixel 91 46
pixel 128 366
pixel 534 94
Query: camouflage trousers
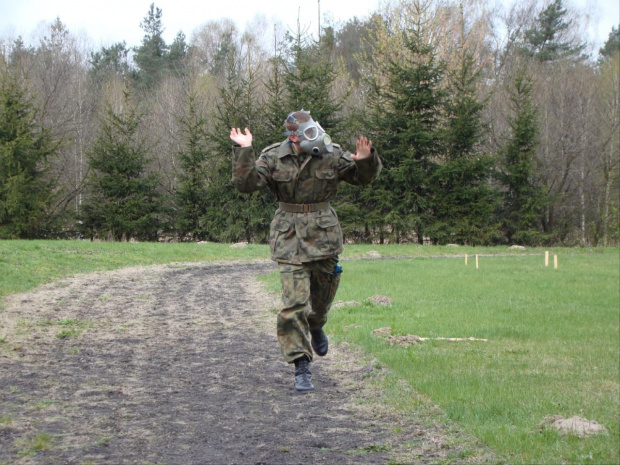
pixel 308 291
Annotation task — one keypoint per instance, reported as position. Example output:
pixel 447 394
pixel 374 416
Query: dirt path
pixel 179 365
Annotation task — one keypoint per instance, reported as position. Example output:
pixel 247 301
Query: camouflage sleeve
pixel 248 174
pixel 359 173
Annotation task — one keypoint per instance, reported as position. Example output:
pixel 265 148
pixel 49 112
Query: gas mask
pixel 314 139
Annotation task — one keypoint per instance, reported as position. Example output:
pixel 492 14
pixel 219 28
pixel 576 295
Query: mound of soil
pixel 179 364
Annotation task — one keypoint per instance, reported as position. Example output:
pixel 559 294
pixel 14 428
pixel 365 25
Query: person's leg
pixel 292 323
pixel 293 332
pixel 324 282
pixel 323 286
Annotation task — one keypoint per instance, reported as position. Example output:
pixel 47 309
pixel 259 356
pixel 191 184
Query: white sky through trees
pixel 110 21
pixel 107 22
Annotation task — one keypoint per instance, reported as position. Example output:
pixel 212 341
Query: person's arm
pixel 248 174
pixel 363 166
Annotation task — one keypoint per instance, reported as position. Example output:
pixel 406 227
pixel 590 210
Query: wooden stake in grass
pixel 555 262
pixel 547 258
pixel 465 259
pixel 476 261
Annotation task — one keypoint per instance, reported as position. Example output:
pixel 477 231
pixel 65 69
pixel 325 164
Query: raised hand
pixel 364 147
pixel 244 140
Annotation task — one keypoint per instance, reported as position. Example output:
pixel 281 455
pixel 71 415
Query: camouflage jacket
pixel 302 179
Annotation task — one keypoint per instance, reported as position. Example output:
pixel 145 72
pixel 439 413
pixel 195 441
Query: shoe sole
pixel 320 354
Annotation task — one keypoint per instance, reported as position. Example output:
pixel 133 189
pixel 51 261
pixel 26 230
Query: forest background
pixel 493 128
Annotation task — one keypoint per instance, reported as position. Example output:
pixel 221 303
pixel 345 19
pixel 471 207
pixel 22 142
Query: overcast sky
pixel 106 22
pixel 110 21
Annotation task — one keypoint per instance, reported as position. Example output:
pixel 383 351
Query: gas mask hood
pixel 314 139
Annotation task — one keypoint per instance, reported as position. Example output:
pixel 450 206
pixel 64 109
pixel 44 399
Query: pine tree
pixel 275 105
pixel 20 54
pixel 309 81
pixel 543 39
pixel 611 46
pixel 151 56
pixel 178 55
pixel 25 148
pixel 463 200
pixel 194 176
pixel 109 61
pixel 234 216
pixel 124 202
pixel 524 201
pixel 405 121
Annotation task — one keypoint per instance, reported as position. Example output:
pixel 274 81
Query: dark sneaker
pixel 319 342
pixel 303 377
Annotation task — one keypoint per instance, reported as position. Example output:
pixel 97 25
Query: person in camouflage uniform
pixel 305 238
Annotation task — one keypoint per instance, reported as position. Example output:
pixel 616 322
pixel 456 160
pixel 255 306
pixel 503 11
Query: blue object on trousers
pixel 337 269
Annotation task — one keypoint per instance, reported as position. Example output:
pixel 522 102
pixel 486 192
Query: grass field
pixel 552 334
pixel 27 264
pixel 552 345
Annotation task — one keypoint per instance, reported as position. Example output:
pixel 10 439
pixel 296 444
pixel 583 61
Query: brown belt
pixel 303 207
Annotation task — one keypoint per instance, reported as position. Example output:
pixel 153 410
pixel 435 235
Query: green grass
pixel 33 444
pixel 27 264
pixel 552 349
pixel 553 334
pixel 43 404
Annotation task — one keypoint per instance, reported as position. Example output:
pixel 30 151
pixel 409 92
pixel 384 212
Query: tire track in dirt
pixel 179 364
